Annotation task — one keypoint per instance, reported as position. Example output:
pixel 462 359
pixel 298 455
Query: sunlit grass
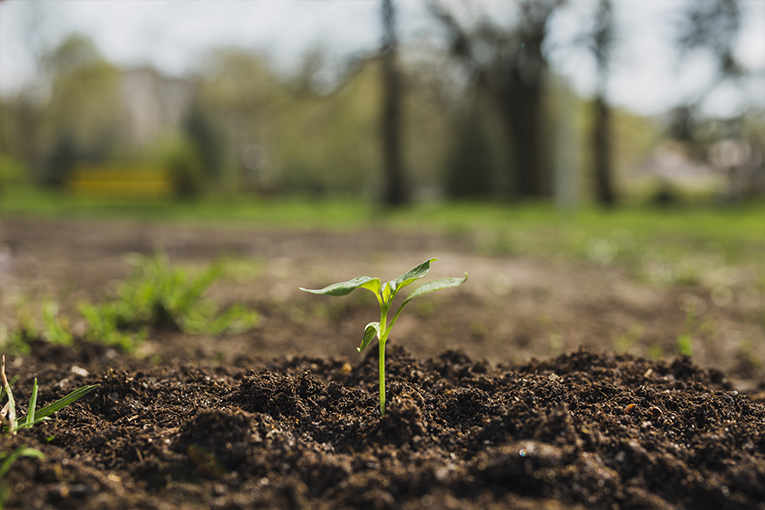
pixel 676 245
pixel 291 212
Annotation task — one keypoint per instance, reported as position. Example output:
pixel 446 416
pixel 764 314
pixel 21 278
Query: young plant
pixel 34 416
pixel 385 294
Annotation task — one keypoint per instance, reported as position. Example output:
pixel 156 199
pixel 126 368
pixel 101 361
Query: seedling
pixel 33 416
pixel 385 294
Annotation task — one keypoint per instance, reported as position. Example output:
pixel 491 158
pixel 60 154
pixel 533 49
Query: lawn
pixel 683 244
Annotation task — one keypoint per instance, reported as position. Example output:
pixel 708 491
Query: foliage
pixel 158 296
pixel 12 170
pixel 15 341
pixel 206 140
pixel 55 329
pixel 153 296
pixel 56 326
pixel 385 294
pixel 61 160
pixel 85 107
pixel 186 171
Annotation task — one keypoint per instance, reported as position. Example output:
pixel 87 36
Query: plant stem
pixel 381 357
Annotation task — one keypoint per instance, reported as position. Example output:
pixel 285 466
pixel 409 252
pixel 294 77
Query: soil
pixel 503 393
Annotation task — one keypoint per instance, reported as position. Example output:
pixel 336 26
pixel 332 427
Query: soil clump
pixel 580 430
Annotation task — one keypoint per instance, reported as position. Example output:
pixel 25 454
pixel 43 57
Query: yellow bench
pixel 120 181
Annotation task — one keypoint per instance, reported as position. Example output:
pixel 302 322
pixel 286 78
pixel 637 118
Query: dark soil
pixel 579 430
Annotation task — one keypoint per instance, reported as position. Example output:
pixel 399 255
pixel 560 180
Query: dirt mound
pixel 582 429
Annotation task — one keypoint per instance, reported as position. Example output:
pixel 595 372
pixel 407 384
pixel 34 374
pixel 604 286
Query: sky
pixel 648 76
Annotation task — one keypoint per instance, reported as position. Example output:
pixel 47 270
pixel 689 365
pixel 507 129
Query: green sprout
pixel 385 294
pixel 34 416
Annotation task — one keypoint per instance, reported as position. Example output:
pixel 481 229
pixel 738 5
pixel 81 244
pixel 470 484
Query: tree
pixel 470 169
pixel 207 142
pixel 61 160
pixel 511 65
pixel 236 111
pixel 393 165
pixel 601 42
pixel 85 98
pixel 712 27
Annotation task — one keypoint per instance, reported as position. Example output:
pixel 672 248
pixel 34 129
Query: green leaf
pixel 386 292
pixel 372 329
pixel 411 275
pixel 443 283
pixel 30 419
pixel 63 402
pixel 344 288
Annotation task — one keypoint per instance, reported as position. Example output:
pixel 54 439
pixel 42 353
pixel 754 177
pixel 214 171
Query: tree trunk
pixel 602 153
pixel 515 77
pixel 29 127
pixel 601 44
pixel 522 104
pixel 395 190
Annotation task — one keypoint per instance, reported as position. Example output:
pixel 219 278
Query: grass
pixel 6 463
pixel 155 295
pixel 294 212
pixel 680 245
pixel 11 424
pixel 34 415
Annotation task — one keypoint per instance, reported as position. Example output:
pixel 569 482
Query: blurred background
pixel 595 165
pixel 573 102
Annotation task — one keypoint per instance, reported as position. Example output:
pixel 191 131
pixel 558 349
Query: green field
pixel 677 245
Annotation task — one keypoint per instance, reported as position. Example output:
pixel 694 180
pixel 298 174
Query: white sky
pixel 174 35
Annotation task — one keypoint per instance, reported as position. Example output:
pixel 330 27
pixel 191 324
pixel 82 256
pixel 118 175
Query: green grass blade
pixel 344 288
pixel 21 451
pixel 30 419
pixel 63 402
pixel 411 275
pixel 193 291
pixel 372 330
